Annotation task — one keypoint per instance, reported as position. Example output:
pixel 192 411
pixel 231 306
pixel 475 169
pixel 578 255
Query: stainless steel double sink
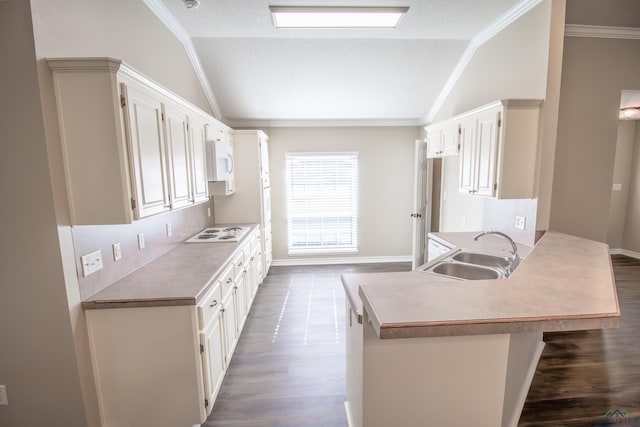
pixel 471 266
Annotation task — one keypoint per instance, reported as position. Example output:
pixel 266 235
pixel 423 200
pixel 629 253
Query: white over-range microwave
pixel 219 161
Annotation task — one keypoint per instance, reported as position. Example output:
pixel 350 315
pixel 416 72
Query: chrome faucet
pixel 514 259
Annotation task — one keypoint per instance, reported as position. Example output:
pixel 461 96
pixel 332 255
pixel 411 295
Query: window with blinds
pixel 322 202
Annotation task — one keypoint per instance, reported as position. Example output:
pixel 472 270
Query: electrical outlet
pixel 168 229
pixel 117 251
pixel 521 222
pixel 140 240
pixel 617 187
pixel 4 400
pixel 91 262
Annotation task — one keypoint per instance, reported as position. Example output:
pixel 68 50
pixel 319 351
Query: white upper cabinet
pixel 443 139
pixel 143 113
pixel 198 131
pixel 498 148
pixel 130 147
pixel 178 149
pixel 479 154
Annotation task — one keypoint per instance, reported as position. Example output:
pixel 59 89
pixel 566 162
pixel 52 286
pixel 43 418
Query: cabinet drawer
pixel 210 305
pixel 226 280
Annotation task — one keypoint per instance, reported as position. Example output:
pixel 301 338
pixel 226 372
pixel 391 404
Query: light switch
pixel 168 229
pixel 140 240
pixel 117 251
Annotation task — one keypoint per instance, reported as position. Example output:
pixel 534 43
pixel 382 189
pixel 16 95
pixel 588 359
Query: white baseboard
pixel 626 252
pixel 340 260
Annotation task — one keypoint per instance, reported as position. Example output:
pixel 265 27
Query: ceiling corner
pixel 167 18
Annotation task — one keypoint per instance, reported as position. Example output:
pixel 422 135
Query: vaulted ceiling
pixel 256 74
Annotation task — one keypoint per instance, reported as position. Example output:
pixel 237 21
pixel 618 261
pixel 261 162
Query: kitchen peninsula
pixel 426 349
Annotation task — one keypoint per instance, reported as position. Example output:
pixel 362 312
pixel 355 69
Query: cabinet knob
pixel 229 280
pixel 213 303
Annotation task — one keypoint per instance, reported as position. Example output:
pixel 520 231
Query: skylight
pixel 336 17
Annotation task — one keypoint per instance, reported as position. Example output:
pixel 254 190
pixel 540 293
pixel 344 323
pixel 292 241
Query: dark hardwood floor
pixel 288 369
pixel 583 374
pixel 289 366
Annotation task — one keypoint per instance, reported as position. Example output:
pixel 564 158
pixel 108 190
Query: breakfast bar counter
pixel 422 346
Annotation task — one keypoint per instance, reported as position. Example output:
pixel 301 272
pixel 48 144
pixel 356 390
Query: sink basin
pixel 481 259
pixel 465 271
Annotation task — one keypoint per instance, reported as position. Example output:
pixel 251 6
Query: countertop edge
pixel 498 326
pixel 160 302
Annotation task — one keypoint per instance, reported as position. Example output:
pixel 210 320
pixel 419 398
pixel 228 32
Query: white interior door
pixel 421 214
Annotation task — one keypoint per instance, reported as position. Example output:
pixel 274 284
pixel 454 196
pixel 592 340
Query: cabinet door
pixel 200 187
pixel 267 251
pixel 177 134
pixel 487 153
pixel 230 326
pixel 264 163
pixel 467 155
pixel 434 142
pixel 240 295
pixel 450 138
pixel 147 145
pixel 213 360
pixel 252 276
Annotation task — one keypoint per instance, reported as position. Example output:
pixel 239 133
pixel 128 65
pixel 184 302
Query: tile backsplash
pixel 89 238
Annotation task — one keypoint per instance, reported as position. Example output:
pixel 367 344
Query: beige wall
pixel 385 175
pixel 513 64
pixel 631 239
pixel 594 73
pixel 37 360
pixel 122 29
pixel 621 175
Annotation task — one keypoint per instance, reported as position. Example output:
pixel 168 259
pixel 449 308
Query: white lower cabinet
pixel 230 324
pixel 163 366
pixel 212 346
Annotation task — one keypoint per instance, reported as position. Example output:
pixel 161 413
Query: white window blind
pixel 322 202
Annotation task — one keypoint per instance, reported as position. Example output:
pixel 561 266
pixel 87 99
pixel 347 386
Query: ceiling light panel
pixel 337 17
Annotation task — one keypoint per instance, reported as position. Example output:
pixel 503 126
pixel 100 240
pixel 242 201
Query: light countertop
pixel 564 283
pixel 179 277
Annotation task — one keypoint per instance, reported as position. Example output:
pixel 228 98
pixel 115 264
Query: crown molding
pixel 602 32
pixel 167 18
pixel 292 123
pixel 482 37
